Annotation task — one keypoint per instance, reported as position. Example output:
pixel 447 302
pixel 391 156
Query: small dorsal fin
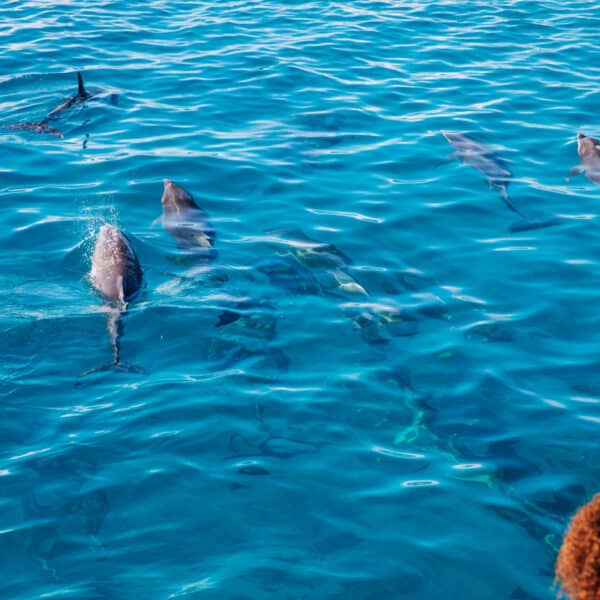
pixel 81 92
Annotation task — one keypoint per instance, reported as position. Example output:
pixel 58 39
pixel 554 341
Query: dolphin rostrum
pixel 116 273
pixel 494 168
pixel 186 221
pixel 588 150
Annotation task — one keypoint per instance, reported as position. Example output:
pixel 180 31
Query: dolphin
pixel 186 221
pixel 498 175
pixel 117 275
pixel 485 160
pixel 316 267
pixel 81 96
pixel 324 266
pixel 41 127
pixel 588 150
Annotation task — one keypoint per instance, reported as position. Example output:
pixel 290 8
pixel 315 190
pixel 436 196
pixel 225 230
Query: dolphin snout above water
pixel 588 149
pixel 186 221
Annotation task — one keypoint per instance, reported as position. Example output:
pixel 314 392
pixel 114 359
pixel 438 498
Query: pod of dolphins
pixel 117 275
pixel 116 272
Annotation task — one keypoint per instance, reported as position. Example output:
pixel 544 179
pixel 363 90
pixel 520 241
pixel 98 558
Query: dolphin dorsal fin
pixel 81 92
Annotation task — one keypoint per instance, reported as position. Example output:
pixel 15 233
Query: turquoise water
pixel 408 403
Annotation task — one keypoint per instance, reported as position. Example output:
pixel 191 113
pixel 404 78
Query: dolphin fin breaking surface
pixel 77 98
pixel 43 126
pixel 81 89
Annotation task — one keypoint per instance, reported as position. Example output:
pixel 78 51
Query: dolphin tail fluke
pixel 99 369
pixel 227 317
pixel 508 202
pixel 525 224
pixel 119 367
pixel 122 367
pixel 531 224
pixel 115 330
pixel 81 92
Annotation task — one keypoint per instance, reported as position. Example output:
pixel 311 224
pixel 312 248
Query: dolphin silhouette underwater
pixel 588 149
pixel 490 164
pixel 321 268
pixel 80 97
pixel 117 275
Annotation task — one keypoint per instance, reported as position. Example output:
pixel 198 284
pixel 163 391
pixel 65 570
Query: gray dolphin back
pixel 186 221
pixel 481 157
pixel 116 274
pixel 116 271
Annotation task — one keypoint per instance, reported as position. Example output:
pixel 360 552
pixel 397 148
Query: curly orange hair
pixel 578 562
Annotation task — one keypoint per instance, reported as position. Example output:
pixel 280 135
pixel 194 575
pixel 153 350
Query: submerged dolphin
pixel 588 150
pixel 494 168
pixel 116 273
pixel 40 127
pixel 323 265
pixel 81 96
pixel 485 160
pixel 321 268
pixel 186 221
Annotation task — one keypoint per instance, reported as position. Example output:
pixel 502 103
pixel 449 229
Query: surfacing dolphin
pixel 588 150
pixel 485 160
pixel 490 164
pixel 116 273
pixel 186 221
pixel 79 98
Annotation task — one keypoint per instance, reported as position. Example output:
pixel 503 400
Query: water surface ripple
pixel 407 405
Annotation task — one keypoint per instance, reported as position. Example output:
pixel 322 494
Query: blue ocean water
pixel 402 401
